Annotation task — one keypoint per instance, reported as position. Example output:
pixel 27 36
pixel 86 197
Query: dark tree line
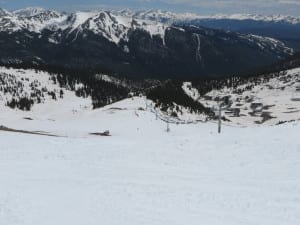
pixel 23 103
pixel 101 92
pixel 252 79
pixel 205 86
pixel 171 92
pixel 85 83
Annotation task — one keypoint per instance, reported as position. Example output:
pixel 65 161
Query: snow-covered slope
pixel 144 175
pixel 35 96
pixel 113 27
pixel 262 101
pixel 41 89
pixel 29 12
pixel 268 43
pixel 259 102
pixel 32 19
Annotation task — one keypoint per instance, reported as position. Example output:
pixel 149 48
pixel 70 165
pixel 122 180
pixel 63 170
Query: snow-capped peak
pixel 124 12
pixel 169 17
pixel 30 11
pixel 256 17
pixel 4 12
pixel 113 25
pixel 79 18
pixel 157 15
pixel 31 19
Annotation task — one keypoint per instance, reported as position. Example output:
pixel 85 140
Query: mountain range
pixel 150 43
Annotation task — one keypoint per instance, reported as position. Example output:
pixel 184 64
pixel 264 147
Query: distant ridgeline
pixel 135 45
pixel 283 28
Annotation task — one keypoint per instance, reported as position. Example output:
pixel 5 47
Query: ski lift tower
pixel 168 125
pixel 146 103
pixel 218 111
pixel 296 95
pixel 219 118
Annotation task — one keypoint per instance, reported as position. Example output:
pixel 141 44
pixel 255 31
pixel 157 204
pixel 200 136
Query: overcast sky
pixel 286 7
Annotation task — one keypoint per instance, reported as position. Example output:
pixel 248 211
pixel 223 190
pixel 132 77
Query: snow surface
pixel 144 175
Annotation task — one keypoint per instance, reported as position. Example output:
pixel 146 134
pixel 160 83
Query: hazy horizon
pixel 265 7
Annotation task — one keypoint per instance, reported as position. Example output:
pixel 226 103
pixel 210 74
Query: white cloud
pixel 233 3
pixel 244 6
pixel 289 2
